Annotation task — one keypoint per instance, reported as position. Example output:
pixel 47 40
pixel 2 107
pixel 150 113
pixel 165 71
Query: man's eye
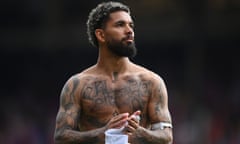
pixel 120 24
pixel 132 25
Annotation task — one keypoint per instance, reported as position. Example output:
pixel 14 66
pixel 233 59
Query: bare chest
pixel 102 97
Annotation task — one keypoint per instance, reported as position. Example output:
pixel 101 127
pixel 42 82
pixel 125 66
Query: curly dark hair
pixel 98 17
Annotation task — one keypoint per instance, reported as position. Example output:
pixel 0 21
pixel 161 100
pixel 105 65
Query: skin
pixel 108 94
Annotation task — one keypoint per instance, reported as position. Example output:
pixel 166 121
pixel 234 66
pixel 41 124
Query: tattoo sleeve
pixel 68 116
pixel 158 112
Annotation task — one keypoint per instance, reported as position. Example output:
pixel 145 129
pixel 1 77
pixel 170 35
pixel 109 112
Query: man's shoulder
pixel 148 74
pixel 83 75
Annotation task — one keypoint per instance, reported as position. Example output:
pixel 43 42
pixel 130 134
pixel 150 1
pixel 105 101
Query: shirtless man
pixel 108 94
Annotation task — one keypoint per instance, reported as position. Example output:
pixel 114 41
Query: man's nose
pixel 129 29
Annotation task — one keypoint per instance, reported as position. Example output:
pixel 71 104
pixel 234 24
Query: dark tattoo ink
pixel 98 93
pixel 115 76
pixel 69 116
pixel 133 93
pixel 159 102
pixel 75 85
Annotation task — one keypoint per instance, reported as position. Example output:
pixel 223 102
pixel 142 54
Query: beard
pixel 122 49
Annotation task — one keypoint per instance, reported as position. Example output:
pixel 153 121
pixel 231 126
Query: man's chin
pixel 126 49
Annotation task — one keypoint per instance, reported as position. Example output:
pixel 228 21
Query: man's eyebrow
pixel 123 21
pixel 120 21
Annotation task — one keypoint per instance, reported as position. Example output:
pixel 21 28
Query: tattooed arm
pixel 68 119
pixel 158 112
pixel 69 115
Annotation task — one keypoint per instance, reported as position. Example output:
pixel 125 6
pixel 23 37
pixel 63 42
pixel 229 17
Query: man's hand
pixel 118 121
pixel 133 123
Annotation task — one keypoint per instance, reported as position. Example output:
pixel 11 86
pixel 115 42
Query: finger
pixel 128 133
pixel 135 118
pixel 121 123
pixel 119 120
pixel 138 112
pixel 119 117
pixel 130 129
pixel 133 123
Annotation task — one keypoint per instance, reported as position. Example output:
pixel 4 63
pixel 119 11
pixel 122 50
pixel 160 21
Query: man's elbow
pixel 58 138
pixel 169 139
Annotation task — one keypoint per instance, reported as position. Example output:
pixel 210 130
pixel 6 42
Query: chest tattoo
pixel 131 93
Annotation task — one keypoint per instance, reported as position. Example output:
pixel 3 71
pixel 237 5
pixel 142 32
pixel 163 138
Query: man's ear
pixel 100 35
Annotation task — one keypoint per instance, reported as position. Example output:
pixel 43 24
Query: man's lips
pixel 129 39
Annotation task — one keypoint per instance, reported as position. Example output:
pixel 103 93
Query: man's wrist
pixel 139 131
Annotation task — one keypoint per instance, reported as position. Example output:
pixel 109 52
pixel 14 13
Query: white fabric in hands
pixel 115 136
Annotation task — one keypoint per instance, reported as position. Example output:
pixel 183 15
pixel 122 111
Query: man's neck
pixel 112 65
